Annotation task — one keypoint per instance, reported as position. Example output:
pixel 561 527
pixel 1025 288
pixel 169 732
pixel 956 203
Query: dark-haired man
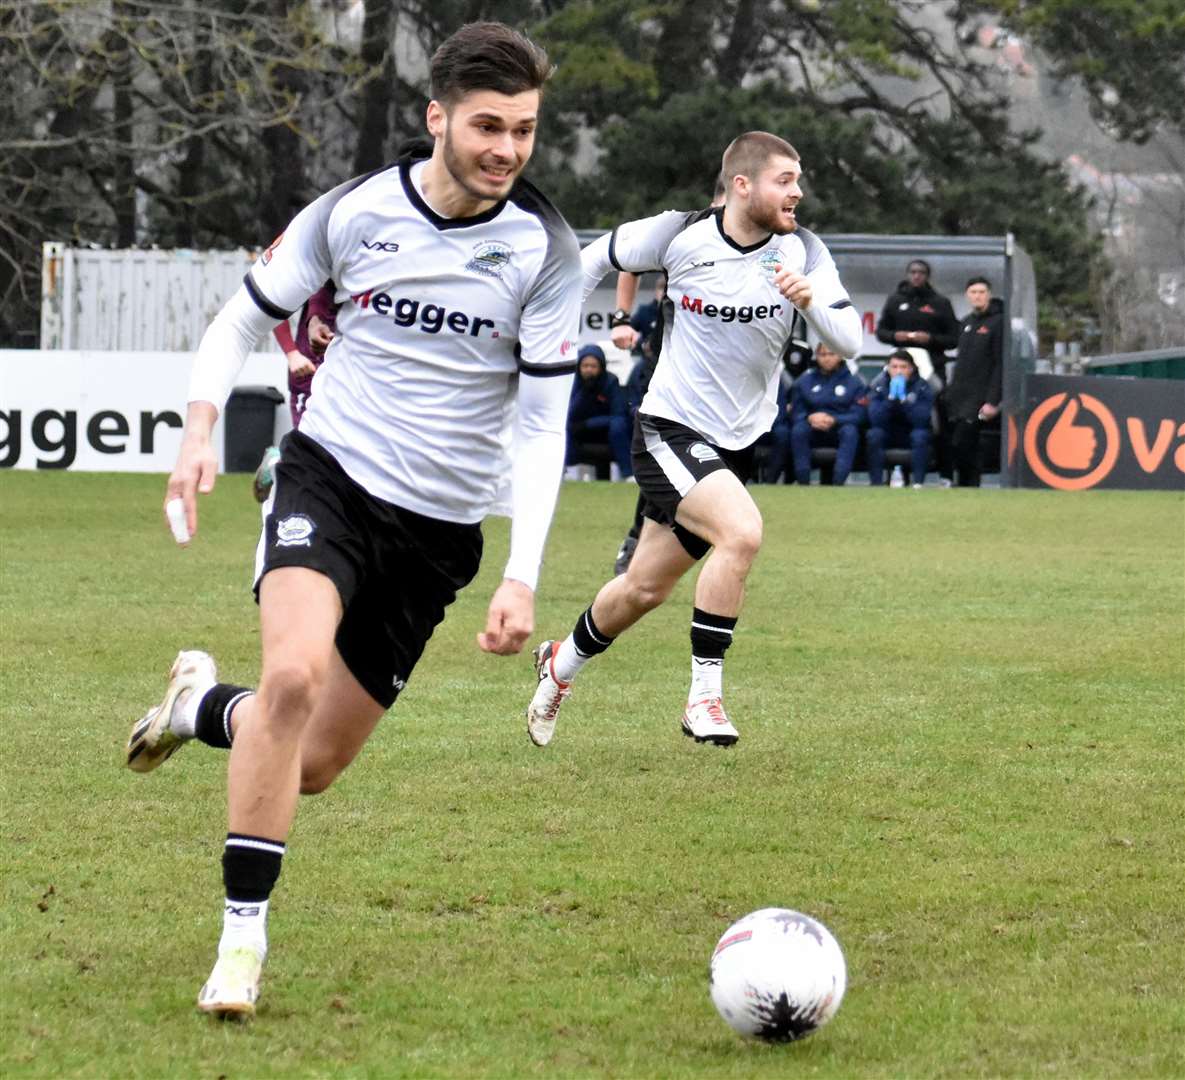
pixel 973 396
pixel 918 316
pixel 735 276
pixel 900 403
pixel 459 286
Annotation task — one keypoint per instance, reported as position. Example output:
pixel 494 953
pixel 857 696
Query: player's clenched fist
pixel 511 619
pixel 795 287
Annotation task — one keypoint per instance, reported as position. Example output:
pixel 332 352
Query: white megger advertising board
pixel 106 411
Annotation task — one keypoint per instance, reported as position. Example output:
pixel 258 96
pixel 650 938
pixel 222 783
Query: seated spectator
pixel 597 412
pixel 827 409
pixel 900 403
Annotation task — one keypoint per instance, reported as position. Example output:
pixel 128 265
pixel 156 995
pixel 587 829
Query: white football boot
pixel 233 986
pixel 706 721
pixel 153 738
pixel 549 695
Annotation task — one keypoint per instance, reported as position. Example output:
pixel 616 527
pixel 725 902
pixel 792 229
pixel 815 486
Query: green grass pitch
pixel 961 718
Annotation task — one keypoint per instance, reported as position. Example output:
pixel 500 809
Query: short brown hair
pixel 747 154
pixel 487 56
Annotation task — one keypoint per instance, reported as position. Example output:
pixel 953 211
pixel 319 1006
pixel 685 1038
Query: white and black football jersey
pixel 437 317
pixel 727 322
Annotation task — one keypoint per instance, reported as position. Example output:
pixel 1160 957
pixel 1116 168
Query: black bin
pixel 249 424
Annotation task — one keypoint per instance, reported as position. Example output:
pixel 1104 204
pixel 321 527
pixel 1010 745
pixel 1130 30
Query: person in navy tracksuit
pixel 597 411
pixel 900 403
pixel 827 410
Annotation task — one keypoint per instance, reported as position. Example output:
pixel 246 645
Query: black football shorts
pixel 669 460
pixel 395 570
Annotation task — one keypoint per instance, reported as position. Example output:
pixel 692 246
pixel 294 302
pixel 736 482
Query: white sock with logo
pixel 707 679
pixel 244 924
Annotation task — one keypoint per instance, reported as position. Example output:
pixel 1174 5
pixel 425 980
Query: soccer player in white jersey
pixel 735 276
pixel 459 291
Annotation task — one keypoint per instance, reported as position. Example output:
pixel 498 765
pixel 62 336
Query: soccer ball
pixel 777 975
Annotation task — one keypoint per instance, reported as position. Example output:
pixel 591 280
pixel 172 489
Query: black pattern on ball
pixel 781 1022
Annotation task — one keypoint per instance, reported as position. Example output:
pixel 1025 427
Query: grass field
pixel 961 720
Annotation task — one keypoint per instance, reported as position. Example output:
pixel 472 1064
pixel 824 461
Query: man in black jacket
pixel 916 316
pixel 973 396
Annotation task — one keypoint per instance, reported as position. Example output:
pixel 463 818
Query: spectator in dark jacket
pixel 597 411
pixel 918 316
pixel 827 409
pixel 973 396
pixel 900 403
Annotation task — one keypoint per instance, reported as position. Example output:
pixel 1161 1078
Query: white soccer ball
pixel 777 975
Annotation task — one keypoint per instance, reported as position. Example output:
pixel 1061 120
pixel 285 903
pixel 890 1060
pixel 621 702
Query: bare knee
pixel 318 776
pixel 646 593
pixel 743 541
pixel 287 693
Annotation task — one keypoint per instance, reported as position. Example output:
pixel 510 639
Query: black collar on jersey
pixel 744 249
pixel 433 217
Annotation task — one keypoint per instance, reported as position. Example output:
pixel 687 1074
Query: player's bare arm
pixel 197 464
pixel 625 336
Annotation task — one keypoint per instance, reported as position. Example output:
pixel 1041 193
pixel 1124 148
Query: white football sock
pixel 244 923
pixel 707 677
pixel 567 660
pixel 183 719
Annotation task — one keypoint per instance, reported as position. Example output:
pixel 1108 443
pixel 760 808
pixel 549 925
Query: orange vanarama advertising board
pixel 1078 433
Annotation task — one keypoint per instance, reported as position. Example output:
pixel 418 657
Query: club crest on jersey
pixel 266 257
pixel 490 257
pixel 703 452
pixel 294 531
pixel 770 262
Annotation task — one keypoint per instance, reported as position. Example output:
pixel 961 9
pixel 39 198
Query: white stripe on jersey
pixel 437 318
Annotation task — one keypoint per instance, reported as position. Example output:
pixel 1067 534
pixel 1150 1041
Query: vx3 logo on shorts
pixel 389 246
pixel 702 452
pixel 295 530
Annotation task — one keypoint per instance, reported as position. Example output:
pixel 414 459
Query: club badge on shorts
pixel 296 530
